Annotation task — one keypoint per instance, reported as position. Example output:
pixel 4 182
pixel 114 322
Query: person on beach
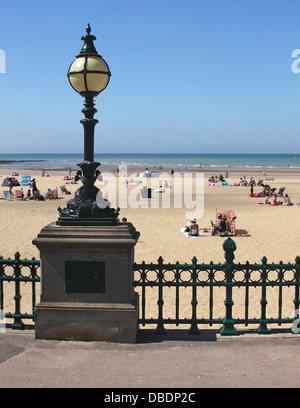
pixel 66 191
pixel 49 195
pixel 28 195
pixel 33 186
pixel 222 223
pixel 194 228
pixel 243 181
pixel 35 191
pixel 274 200
pixel 188 224
pixel 286 200
pixel 266 199
pixel 266 190
pixel 252 184
pixel 10 185
pixel 222 227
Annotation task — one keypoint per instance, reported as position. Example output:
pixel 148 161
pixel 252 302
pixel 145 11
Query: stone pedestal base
pixel 113 322
pixel 87 289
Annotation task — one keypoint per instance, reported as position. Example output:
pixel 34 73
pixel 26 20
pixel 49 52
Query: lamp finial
pixel 88 46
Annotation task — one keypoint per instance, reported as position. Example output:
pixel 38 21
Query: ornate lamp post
pixel 87 291
pixel 89 75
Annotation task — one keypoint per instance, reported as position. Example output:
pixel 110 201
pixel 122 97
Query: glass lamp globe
pixel 89 74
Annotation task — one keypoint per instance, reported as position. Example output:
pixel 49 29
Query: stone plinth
pixel 87 283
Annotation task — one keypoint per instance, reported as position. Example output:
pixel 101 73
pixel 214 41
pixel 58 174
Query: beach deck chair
pixel 19 194
pixel 55 193
pixel 63 189
pixel 230 219
pixel 7 196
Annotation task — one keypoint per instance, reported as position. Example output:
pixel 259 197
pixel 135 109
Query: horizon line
pixel 152 153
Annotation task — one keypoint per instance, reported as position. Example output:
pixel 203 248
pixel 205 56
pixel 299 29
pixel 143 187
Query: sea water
pixel 175 161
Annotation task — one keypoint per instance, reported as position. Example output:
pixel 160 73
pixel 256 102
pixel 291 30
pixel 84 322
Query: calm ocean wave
pixel 181 161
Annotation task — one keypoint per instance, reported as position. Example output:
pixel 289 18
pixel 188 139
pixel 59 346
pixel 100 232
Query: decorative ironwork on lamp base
pixel 83 209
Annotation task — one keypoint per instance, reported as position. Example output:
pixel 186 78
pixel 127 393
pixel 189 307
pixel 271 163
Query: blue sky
pixel 193 76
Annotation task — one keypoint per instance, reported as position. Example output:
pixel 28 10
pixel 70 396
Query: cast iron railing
pixel 178 277
pixel 211 276
pixel 18 271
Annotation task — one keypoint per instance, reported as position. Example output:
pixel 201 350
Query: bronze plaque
pixel 84 277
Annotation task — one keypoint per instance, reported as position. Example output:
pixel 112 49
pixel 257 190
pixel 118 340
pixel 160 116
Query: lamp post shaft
pixel 89 124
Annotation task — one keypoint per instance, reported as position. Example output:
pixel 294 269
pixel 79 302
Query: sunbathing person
pixel 65 190
pixel 266 199
pixel 223 227
pixel 188 224
pixel 274 200
pixel 49 194
pixel 286 200
pixel 194 228
pixel 28 195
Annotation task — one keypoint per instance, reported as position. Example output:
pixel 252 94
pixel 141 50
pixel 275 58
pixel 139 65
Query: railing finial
pixel 229 247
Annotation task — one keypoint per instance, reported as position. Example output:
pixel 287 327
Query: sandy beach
pixel 261 230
